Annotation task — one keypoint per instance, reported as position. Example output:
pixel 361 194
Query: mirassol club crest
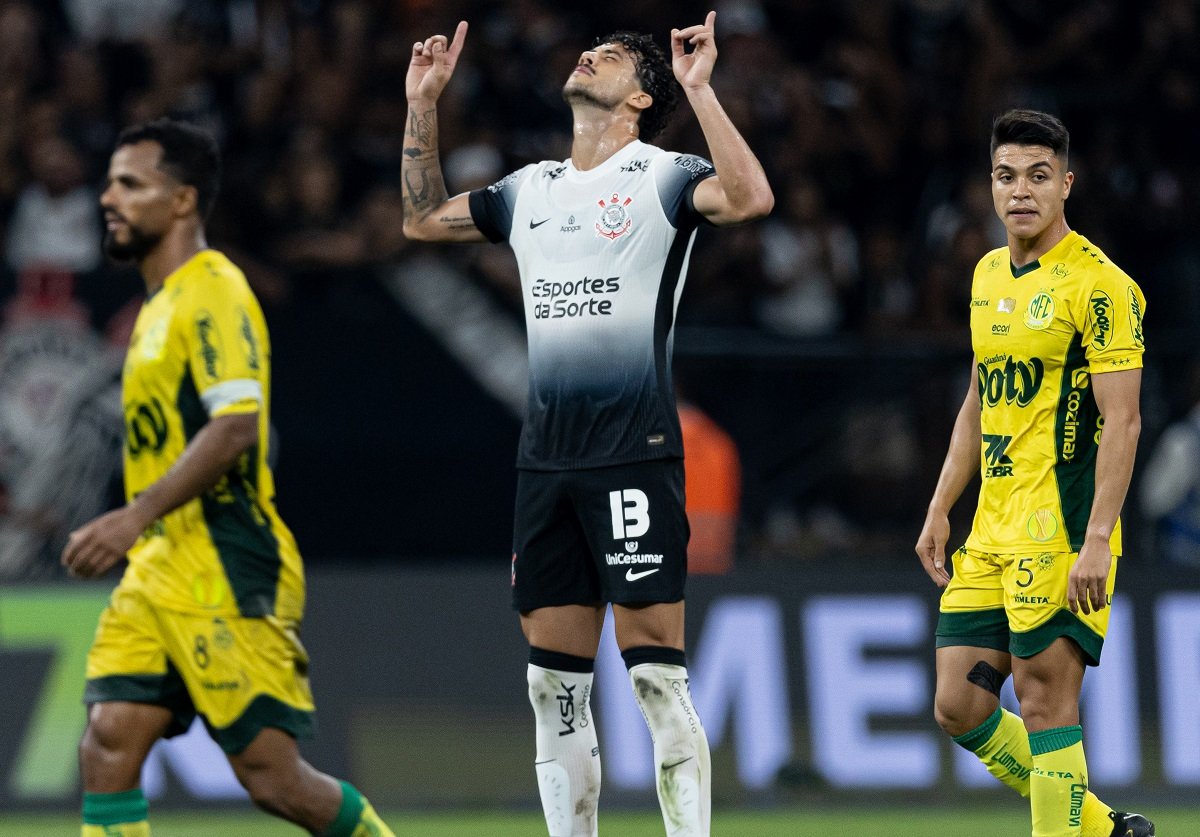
pixel 614 218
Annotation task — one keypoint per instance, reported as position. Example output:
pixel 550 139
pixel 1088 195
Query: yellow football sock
pixel 370 825
pixel 115 814
pixel 124 829
pixel 1058 782
pixel 356 817
pixel 1002 744
pixel 1096 822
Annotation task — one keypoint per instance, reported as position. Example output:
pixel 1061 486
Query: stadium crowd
pixel 869 118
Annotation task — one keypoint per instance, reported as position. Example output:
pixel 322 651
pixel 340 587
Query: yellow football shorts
pixel 240 675
pixel 1017 603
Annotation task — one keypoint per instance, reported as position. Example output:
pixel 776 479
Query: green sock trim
pixel 979 736
pixel 1049 740
pixel 348 815
pixel 115 808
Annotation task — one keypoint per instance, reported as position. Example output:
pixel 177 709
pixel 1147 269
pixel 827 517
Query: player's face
pixel 1029 188
pixel 139 201
pixel 604 76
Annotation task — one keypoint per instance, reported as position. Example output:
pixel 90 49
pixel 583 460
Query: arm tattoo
pixel 418 193
pixel 421 171
pixel 461 222
pixel 422 127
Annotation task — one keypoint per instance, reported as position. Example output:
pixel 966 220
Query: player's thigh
pixel 244 675
pixel 972 608
pixel 1035 587
pixel 634 518
pixel 124 728
pixel 651 624
pixel 1049 683
pixel 128 663
pixel 116 741
pixel 552 564
pixel 567 629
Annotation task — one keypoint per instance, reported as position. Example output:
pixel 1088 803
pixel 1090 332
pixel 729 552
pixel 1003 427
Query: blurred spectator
pixel 56 221
pixel 810 258
pixel 1170 487
pixel 868 119
pixel 83 93
pixel 889 292
pixel 120 20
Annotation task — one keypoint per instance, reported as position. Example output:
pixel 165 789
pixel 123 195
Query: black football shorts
pixel 616 534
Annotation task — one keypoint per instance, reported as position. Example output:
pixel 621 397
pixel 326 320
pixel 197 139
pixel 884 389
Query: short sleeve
pixel 1112 323
pixel 227 348
pixel 677 181
pixel 492 207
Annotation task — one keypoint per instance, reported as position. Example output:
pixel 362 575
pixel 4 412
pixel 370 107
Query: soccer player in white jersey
pixel 602 241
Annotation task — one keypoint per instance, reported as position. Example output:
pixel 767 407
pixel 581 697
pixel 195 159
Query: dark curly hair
pixel 654 74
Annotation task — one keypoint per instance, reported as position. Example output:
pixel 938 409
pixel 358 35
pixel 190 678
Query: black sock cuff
pixel 559 661
pixel 653 654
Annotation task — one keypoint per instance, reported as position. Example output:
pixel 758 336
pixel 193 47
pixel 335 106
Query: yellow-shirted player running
pixel 206 618
pixel 1051 421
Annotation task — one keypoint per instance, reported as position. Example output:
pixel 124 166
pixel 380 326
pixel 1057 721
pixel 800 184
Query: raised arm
pixel 740 191
pixel 429 213
pixel 961 464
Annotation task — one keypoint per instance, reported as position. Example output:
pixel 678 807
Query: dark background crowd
pixel 829 340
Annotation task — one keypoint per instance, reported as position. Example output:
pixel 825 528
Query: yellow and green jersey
pixel 1040 333
pixel 200 350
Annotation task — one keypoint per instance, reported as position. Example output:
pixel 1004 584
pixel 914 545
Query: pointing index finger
pixel 460 37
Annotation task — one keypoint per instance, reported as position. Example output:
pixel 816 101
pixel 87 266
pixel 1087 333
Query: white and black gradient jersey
pixel 602 255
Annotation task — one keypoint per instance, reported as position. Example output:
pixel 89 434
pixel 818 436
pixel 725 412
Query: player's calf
pixel 681 759
pixel 568 757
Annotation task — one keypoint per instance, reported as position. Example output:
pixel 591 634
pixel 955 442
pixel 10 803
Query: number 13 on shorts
pixel 630 513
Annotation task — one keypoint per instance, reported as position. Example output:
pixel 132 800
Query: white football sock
pixel 568 758
pixel 681 761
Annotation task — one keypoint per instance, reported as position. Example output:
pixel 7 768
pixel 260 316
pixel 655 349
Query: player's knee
pixel 946 718
pixel 954 716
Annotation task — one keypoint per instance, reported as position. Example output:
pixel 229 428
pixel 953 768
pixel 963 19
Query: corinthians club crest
pixel 614 217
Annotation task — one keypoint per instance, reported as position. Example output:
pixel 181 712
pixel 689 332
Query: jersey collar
pixel 623 155
pixel 1055 253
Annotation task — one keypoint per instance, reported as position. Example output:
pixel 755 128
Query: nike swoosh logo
pixel 534 226
pixel 630 575
pixel 676 764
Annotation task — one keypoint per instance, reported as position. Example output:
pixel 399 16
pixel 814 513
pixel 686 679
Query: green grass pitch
pixel 1008 821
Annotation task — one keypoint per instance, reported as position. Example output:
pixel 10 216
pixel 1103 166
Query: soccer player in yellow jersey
pixel 205 620
pixel 1051 419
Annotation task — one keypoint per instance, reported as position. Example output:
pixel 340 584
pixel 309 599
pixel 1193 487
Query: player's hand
pixel 95 548
pixel 694 69
pixel 1087 585
pixel 432 64
pixel 931 547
